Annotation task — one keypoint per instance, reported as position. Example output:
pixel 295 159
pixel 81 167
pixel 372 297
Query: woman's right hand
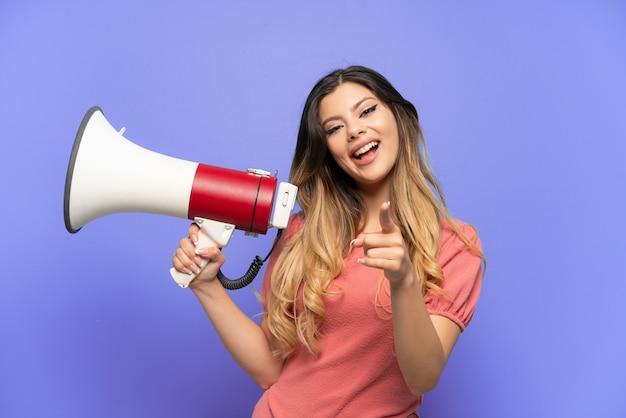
pixel 188 258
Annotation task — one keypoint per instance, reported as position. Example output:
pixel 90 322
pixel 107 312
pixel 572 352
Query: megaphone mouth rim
pixel 70 169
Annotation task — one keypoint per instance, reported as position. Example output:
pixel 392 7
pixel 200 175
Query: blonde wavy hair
pixel 334 214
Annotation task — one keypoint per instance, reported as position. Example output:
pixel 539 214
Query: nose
pixel 356 130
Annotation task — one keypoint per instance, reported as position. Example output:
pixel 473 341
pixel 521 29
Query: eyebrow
pixel 353 108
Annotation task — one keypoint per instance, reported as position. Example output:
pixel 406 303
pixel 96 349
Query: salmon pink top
pixel 356 373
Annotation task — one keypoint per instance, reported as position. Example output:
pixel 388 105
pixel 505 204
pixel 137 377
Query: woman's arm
pixel 247 342
pixel 422 342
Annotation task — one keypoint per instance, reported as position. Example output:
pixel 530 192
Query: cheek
pixel 395 133
pixel 340 158
pixel 387 124
pixel 334 151
pixel 392 125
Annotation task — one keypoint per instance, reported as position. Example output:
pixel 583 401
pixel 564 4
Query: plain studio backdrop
pixel 524 112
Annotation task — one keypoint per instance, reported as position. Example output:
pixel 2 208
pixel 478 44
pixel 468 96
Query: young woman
pixel 372 282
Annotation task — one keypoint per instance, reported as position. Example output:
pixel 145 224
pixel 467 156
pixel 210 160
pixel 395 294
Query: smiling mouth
pixel 364 149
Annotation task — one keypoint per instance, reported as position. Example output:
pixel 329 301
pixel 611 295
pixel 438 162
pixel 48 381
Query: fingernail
pixel 194 239
pixel 352 242
pixel 197 260
pixel 360 260
pixel 201 251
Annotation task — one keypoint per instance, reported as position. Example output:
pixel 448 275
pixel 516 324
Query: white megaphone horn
pixel 109 174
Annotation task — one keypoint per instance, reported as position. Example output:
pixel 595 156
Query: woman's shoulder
pixel 296 222
pixel 297 217
pixel 448 232
pixel 452 243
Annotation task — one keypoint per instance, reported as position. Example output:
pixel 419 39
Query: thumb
pixel 358 241
pixel 386 223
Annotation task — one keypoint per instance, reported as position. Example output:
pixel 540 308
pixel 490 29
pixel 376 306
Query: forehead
pixel 344 97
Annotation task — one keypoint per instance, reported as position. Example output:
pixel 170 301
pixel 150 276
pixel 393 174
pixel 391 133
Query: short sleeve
pixel 462 276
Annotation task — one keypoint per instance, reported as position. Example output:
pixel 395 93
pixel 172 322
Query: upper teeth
pixel 365 148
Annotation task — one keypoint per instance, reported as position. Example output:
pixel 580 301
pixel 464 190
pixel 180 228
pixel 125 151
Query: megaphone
pixel 108 173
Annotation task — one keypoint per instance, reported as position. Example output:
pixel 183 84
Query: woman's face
pixel 361 133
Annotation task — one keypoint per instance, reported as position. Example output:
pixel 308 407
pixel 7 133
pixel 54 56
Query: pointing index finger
pixel 386 223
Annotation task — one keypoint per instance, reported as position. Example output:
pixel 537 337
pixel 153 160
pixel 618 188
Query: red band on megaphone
pixel 237 197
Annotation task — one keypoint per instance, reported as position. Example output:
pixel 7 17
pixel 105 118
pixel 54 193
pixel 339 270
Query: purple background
pixel 524 110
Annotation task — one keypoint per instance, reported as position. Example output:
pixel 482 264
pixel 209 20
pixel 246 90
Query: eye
pixel 369 110
pixel 333 130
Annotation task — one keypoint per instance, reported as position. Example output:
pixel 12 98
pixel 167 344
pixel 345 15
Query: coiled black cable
pixel 252 272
